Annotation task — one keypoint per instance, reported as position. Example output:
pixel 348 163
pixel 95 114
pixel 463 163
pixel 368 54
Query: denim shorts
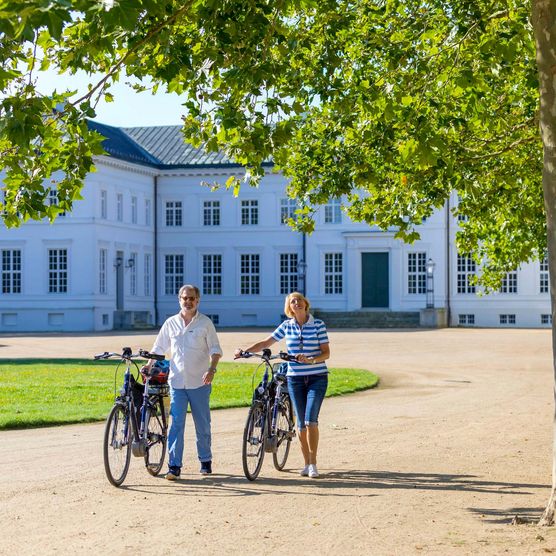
pixel 307 393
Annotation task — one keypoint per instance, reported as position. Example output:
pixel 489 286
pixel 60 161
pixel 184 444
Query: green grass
pixel 44 392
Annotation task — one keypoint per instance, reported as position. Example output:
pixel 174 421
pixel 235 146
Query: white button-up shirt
pixel 190 347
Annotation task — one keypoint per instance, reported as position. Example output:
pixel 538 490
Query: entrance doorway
pixel 374 280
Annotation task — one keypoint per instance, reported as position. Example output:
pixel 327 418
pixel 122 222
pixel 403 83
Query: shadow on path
pixel 355 483
pixel 500 516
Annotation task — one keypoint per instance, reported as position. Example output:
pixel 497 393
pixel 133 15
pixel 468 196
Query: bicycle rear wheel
pixel 156 439
pixel 253 441
pixel 117 445
pixel 284 433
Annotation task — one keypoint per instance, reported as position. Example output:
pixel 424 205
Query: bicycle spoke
pixel 253 441
pixel 117 445
pixel 155 439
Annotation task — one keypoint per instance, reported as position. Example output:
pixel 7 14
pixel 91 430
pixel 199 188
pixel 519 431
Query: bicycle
pixel 136 423
pixel 270 421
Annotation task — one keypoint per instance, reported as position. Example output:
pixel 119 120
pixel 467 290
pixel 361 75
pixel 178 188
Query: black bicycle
pixel 270 421
pixel 137 422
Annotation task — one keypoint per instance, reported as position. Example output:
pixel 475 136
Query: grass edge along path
pixel 50 392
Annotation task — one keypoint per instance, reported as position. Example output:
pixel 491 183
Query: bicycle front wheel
pixel 253 441
pixel 284 433
pixel 117 445
pixel 156 439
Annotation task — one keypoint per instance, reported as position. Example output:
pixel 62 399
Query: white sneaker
pixel 305 471
pixel 312 472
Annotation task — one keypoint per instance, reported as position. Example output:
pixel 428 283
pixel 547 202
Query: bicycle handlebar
pixel 127 354
pixel 267 355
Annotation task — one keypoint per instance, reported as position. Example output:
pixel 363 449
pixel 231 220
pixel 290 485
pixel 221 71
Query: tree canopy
pixel 390 104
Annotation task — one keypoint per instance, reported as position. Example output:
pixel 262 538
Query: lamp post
pixel 430 283
pixel 301 275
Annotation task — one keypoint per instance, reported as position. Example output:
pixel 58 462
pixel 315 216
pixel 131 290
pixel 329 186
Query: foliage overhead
pixel 391 105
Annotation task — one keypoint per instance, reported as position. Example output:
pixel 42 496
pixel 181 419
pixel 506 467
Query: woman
pixel 306 338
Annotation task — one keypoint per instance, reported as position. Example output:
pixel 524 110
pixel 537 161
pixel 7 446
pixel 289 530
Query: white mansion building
pixel 149 223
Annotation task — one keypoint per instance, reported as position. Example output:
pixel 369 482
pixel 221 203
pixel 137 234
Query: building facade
pixel 150 221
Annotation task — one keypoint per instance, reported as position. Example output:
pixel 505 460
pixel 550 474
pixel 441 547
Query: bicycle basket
pixel 160 389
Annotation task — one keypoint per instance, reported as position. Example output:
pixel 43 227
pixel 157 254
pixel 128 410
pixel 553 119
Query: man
pixel 191 339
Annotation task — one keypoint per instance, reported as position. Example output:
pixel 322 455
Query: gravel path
pixel 455 441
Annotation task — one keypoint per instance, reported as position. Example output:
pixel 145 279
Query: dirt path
pixel 455 442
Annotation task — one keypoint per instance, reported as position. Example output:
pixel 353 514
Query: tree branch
pixel 123 59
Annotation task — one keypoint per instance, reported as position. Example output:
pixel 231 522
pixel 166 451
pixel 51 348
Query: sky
pixel 129 109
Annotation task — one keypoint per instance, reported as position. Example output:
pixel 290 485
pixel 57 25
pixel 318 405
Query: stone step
pixel 369 319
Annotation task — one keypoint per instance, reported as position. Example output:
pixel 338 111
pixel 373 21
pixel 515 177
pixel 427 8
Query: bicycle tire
pixel 254 435
pixel 284 433
pixel 156 438
pixel 117 445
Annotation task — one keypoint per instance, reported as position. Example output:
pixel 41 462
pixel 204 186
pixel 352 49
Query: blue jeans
pixel 307 393
pixel 181 398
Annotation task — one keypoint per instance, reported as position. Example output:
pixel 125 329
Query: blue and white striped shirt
pixel 305 339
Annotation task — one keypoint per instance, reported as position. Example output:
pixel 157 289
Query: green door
pixel 374 280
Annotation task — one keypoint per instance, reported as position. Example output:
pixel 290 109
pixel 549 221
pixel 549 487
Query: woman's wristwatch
pixel 211 370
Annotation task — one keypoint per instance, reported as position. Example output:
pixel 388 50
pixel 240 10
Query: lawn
pixel 43 392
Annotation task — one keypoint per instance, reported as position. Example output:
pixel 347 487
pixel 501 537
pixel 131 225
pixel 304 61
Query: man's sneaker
pixel 173 473
pixel 313 473
pixel 305 471
pixel 206 467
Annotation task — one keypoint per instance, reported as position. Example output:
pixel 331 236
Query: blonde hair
pixel 289 297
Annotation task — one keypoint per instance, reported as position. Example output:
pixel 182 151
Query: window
pixel 133 274
pixel 173 271
pixel 416 273
pixel 543 276
pixel 333 212
pixel 103 204
pixel 134 210
pixel 11 271
pixel 546 319
pixel 249 274
pixel 57 270
pixel 212 274
pixel 288 272
pixel 211 213
pixel 120 207
pixel 466 320
pixel 466 272
pixel 333 273
pixel 173 213
pixel 507 319
pixel 249 212
pixel 461 217
pixel 53 200
pixel 102 269
pixel 509 283
pixel 287 210
pixel 147 212
pixel 214 318
pixel 147 277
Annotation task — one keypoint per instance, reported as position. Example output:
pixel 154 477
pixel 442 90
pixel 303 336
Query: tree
pixel 393 104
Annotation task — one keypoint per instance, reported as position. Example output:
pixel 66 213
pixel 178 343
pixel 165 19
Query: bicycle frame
pixel 262 432
pixel 143 434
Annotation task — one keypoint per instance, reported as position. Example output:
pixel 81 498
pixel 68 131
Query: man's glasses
pixel 188 298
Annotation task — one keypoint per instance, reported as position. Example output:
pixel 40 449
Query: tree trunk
pixel 544 25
